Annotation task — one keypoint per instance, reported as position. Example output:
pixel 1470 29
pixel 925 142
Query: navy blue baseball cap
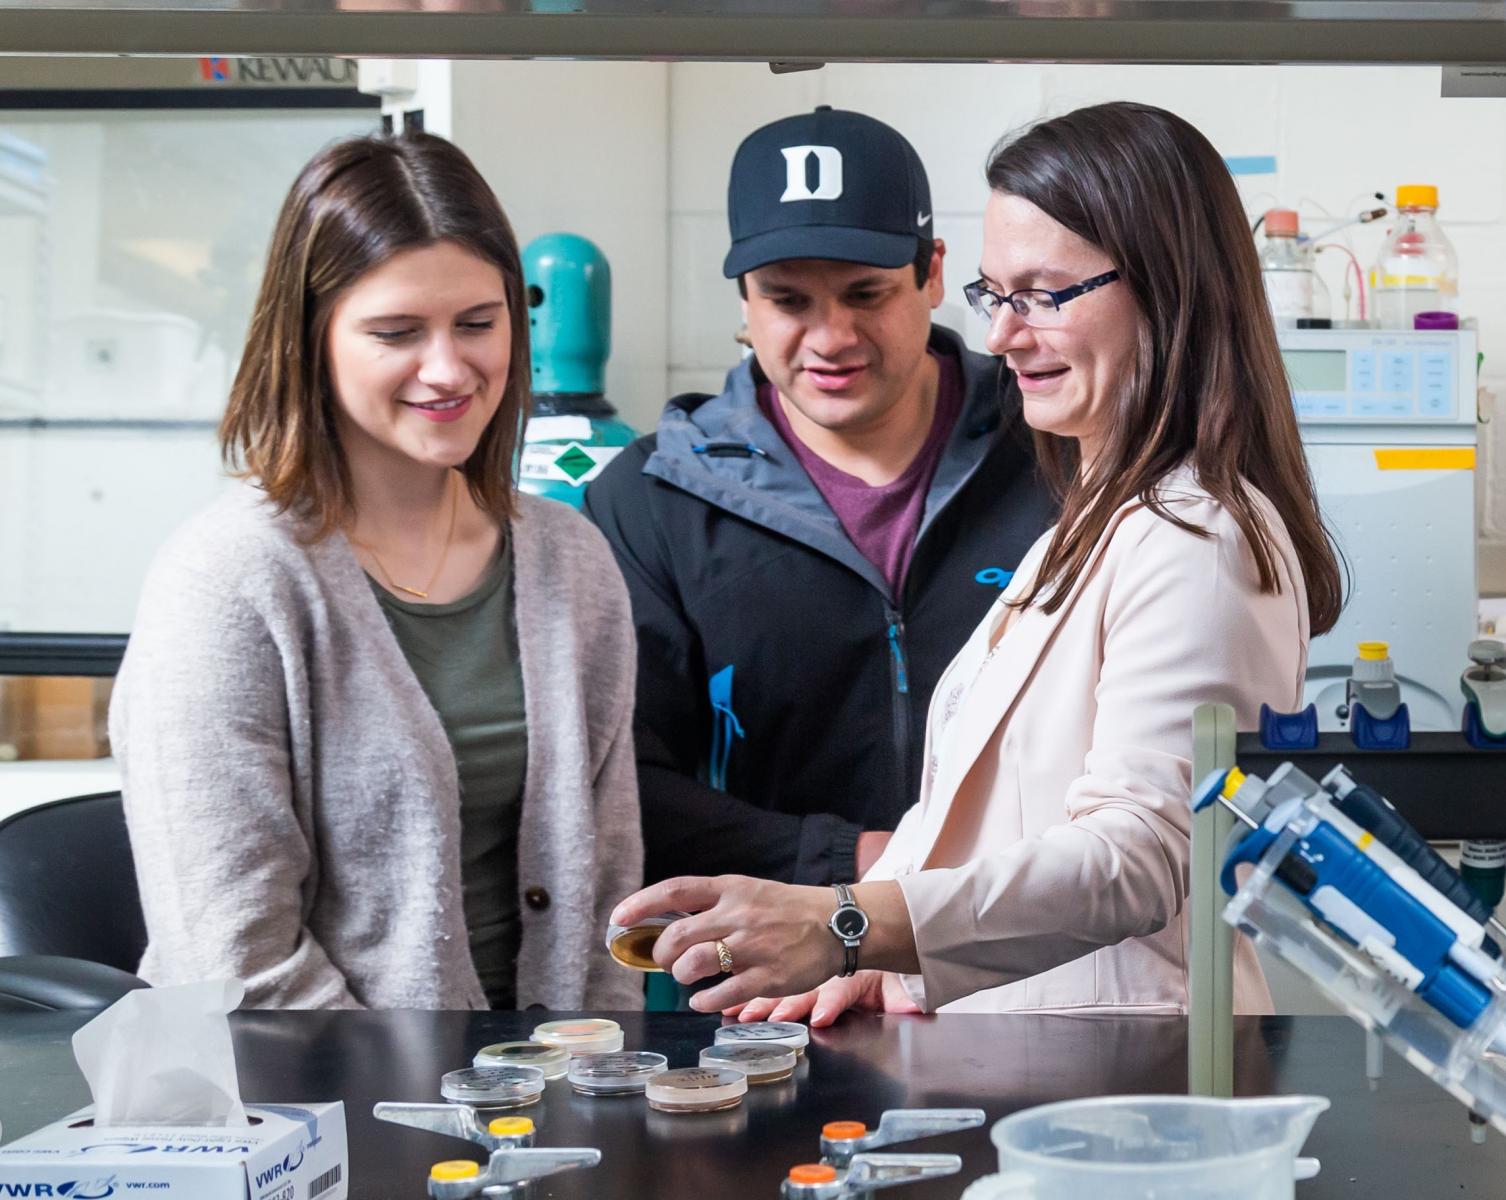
pixel 826 184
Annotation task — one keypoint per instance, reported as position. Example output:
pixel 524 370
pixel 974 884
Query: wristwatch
pixel 849 923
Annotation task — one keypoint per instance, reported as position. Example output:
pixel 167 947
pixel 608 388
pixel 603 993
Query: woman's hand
pixel 776 933
pixel 867 991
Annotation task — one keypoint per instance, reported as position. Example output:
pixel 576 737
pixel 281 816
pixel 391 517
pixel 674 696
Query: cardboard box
pixel 288 1152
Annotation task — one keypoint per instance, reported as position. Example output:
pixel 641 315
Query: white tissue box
pixel 289 1152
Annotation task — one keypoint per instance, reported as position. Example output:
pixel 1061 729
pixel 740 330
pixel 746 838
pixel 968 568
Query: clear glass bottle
pixel 1292 286
pixel 1417 270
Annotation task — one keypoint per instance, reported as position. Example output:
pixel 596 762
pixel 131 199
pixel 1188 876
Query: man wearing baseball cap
pixel 808 550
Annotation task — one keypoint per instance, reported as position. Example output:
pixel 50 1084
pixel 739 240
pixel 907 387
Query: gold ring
pixel 724 957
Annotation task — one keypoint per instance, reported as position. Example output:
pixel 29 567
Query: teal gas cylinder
pixel 572 431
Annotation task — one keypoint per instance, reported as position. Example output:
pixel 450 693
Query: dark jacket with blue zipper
pixel 782 688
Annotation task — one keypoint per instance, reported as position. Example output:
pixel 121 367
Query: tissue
pixel 163 1056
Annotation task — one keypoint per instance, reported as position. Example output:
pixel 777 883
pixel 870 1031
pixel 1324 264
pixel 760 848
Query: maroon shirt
pixel 880 521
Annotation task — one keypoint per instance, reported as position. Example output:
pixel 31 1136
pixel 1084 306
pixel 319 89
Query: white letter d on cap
pixel 828 173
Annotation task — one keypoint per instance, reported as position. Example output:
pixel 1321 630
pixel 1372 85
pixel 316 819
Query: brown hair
pixel 356 204
pixel 1208 386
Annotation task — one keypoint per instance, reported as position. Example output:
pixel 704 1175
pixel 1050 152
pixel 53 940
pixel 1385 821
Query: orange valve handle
pixel 843 1131
pixel 813 1173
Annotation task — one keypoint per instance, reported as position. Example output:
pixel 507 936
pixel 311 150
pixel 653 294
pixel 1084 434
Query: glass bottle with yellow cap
pixel 1417 270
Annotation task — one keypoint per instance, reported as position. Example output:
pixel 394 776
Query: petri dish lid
pixel 493 1087
pixel 697 1089
pixel 589 1035
pixel 552 1060
pixel 615 1074
pixel 765 1033
pixel 765 1062
pixel 632 946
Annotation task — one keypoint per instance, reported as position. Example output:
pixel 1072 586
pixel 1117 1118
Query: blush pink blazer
pixel 1045 866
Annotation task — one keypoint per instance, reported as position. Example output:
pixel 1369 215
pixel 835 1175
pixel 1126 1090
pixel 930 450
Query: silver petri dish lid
pixel 619 1074
pixel 776 1033
pixel 493 1087
pixel 552 1060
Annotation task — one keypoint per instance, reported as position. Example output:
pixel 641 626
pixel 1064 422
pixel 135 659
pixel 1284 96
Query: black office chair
pixel 68 891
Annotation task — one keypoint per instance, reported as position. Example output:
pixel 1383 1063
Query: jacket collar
pixel 725 451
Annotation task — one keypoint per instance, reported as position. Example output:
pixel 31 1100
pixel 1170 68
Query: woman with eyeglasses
pixel 1045 866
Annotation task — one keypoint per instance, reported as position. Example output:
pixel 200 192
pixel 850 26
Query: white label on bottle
pixel 1487 855
pixel 558 429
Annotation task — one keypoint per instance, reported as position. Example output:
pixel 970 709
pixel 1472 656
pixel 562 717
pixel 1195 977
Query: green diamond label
pixel 575 463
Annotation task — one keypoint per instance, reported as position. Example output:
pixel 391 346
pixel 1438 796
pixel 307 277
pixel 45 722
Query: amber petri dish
pixel 765 1033
pixel 589 1035
pixel 760 1063
pixel 552 1060
pixel 633 945
pixel 697 1090
pixel 493 1087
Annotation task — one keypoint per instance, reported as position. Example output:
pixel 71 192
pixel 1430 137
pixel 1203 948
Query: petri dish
pixel 633 945
pixel 590 1035
pixel 765 1033
pixel 697 1090
pixel 552 1060
pixel 621 1074
pixel 765 1063
pixel 493 1087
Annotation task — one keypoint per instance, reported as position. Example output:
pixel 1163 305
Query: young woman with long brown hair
pixel 374 718
pixel 1045 865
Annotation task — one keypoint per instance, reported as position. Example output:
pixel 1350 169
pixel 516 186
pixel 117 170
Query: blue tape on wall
pixel 1252 164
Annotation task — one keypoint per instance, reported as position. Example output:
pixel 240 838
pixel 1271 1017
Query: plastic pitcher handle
pixel 1008 1185
pixel 1305 1168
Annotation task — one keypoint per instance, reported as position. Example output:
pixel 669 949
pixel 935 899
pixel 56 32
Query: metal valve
pixel 865 1174
pixel 515 1161
pixel 841 1140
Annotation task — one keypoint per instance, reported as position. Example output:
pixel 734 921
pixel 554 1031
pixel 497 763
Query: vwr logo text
pixel 74 1189
pixel 277 1170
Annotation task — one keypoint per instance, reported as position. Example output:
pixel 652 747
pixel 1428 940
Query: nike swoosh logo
pixel 921 218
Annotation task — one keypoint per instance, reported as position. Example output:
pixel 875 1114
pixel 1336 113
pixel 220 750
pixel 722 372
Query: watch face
pixel 850 922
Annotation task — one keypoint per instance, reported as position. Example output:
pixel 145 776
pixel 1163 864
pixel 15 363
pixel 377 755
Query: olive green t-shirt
pixel 465 655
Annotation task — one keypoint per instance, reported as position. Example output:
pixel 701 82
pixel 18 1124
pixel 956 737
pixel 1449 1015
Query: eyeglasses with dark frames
pixel 1038 307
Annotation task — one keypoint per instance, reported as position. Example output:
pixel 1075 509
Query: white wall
pixel 1338 135
pixel 581 148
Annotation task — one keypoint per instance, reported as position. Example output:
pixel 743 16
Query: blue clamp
pixel 1474 732
pixel 1373 733
pixel 1289 731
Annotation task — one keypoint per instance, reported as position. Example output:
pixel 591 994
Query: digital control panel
pixel 1362 376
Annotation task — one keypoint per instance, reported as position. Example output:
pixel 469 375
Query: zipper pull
pixel 901 677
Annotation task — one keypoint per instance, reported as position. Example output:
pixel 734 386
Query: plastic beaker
pixel 1154 1148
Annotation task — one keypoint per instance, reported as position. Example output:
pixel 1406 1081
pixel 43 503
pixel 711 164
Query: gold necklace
pixel 394 585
